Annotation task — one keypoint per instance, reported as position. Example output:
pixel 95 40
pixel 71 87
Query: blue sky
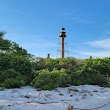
pixel 35 25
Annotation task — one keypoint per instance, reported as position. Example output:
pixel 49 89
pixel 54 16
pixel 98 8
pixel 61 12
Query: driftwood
pixel 70 107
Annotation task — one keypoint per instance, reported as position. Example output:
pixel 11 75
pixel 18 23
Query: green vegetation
pixel 74 90
pixel 95 91
pixel 61 94
pixel 12 79
pixel 2 88
pixel 46 79
pixel 19 68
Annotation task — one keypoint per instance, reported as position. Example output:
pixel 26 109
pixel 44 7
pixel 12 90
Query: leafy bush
pixel 10 73
pixel 14 83
pixel 43 80
pixel 87 75
pixel 15 61
pixel 12 79
pixel 50 80
pixel 63 78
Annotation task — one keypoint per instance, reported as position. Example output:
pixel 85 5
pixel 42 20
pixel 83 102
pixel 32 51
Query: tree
pixel 39 63
pixel 15 48
pixel 1 35
pixel 17 62
pixel 4 44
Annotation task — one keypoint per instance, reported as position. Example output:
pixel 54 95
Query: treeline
pixel 19 68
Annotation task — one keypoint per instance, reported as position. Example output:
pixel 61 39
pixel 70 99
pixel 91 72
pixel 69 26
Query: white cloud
pixel 99 48
pixel 95 54
pixel 105 43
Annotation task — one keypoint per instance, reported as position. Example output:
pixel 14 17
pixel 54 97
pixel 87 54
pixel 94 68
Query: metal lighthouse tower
pixel 62 35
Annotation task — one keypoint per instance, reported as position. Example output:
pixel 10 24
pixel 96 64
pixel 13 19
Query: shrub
pixel 10 73
pixel 43 80
pixel 16 61
pixel 50 80
pixel 63 78
pixel 14 83
pixel 12 79
pixel 87 75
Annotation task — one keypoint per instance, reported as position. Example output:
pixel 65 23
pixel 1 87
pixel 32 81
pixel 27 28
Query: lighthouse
pixel 62 36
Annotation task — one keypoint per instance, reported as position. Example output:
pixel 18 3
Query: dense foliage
pixel 11 79
pixel 46 79
pixel 19 68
